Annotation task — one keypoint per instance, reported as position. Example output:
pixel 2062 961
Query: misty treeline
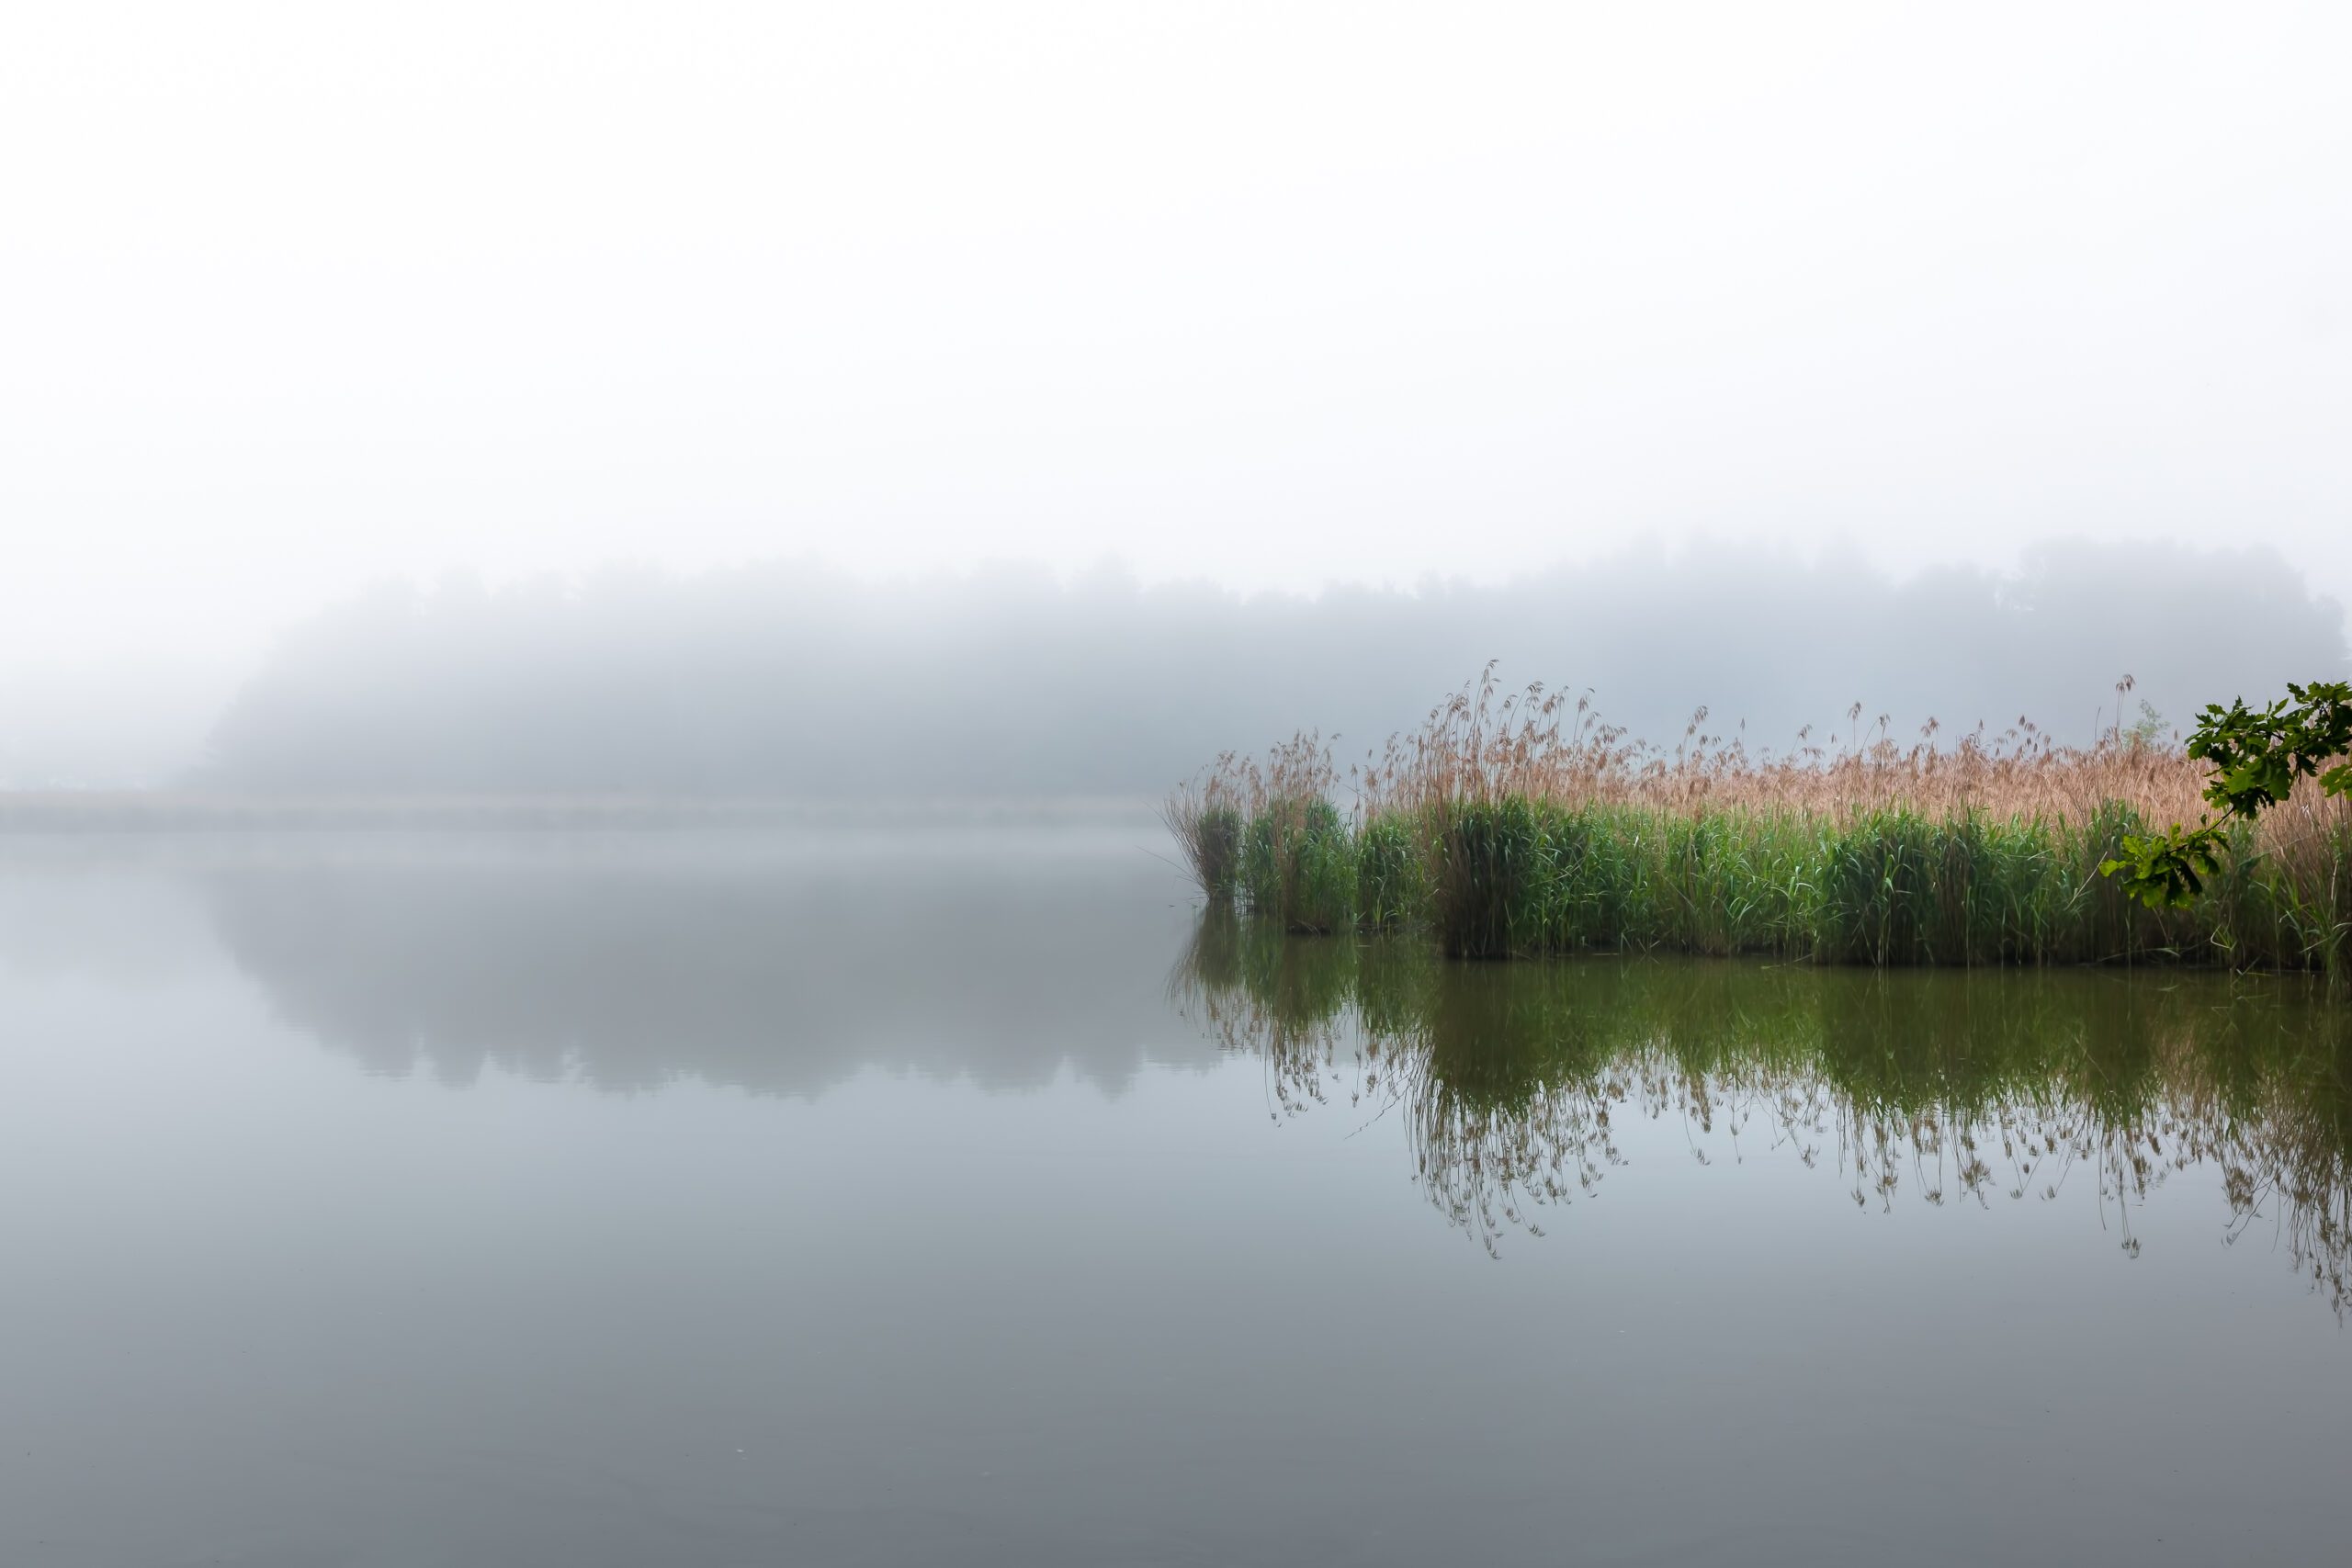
pixel 789 679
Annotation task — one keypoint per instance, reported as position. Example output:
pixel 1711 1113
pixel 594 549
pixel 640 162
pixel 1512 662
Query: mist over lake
pixel 1052 786
pixel 789 680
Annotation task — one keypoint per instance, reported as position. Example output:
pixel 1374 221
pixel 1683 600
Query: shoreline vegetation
pixel 1517 825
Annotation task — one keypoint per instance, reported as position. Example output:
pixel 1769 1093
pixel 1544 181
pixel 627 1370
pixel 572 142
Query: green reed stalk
pixel 1514 878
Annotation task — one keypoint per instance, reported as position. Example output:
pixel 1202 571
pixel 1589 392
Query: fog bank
pixel 790 678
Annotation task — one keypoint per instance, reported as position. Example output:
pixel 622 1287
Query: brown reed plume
pixel 1483 744
pixel 1516 823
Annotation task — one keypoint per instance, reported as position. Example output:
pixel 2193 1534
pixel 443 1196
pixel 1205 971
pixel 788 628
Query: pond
pixel 966 1194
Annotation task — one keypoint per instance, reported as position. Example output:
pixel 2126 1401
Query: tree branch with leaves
pixel 2258 756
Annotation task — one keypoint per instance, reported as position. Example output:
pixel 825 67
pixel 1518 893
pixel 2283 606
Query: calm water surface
pixel 965 1197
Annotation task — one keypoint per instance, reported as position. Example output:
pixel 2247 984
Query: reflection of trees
pixel 1952 1085
pixel 777 963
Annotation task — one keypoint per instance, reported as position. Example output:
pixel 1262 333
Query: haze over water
pixel 596 602
pixel 958 1196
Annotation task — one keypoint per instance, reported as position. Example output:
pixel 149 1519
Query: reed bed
pixel 1517 825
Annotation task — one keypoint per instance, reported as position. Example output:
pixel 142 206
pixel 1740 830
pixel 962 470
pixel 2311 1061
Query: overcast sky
pixel 292 297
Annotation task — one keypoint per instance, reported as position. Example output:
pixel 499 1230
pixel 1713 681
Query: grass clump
pixel 1299 863
pixel 1207 824
pixel 1392 881
pixel 1513 827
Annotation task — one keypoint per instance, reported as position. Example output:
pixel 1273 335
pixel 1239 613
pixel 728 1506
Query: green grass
pixel 1516 878
pixel 1299 863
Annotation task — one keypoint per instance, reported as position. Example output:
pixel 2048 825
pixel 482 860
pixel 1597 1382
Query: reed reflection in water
pixel 1943 1086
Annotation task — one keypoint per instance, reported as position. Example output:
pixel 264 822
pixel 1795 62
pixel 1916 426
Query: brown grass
pixel 1485 744
pixel 1519 822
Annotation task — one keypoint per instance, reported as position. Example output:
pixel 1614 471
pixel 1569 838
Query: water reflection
pixel 1944 1085
pixel 778 964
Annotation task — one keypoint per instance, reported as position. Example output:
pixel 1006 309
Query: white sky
pixel 295 296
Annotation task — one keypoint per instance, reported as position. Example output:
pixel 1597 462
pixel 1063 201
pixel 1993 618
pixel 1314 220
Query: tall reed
pixel 1517 824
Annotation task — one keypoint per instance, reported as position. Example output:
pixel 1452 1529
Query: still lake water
pixel 961 1196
